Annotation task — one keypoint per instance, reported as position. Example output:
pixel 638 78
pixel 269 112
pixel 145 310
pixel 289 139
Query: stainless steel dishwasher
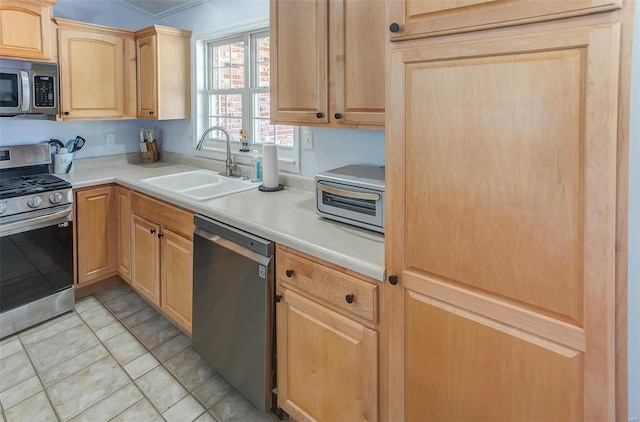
pixel 233 316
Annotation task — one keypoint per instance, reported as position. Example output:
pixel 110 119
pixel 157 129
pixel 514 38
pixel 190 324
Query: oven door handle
pixel 348 193
pixel 36 222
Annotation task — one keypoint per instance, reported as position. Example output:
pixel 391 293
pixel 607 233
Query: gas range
pixel 36 239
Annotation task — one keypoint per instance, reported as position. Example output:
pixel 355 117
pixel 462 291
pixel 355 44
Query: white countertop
pixel 287 217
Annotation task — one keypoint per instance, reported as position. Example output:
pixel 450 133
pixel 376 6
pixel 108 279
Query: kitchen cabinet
pixel 164 73
pixel 97 71
pixel 411 19
pixel 96 241
pixel 501 186
pixel 327 63
pixel 124 233
pixel 26 30
pixel 162 250
pixel 327 342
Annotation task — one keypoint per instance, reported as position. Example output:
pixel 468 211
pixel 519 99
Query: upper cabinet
pixel 164 73
pixel 327 63
pixel 26 30
pixel 426 18
pixel 97 71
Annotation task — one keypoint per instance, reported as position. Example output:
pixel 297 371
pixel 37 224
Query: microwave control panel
pixel 44 91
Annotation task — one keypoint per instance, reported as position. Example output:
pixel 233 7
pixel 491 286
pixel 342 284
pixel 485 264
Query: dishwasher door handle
pixel 228 244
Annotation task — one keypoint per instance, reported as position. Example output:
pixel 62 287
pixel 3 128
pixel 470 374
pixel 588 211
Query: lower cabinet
pixel 327 343
pixel 95 223
pixel 162 256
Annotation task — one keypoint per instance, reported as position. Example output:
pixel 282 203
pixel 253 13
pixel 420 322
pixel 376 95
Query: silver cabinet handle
pixel 348 193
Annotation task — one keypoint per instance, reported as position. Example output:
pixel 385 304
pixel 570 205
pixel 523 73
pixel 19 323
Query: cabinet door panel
pixel 95 225
pixel 357 38
pixel 91 74
pixel 427 18
pixel 299 61
pixel 147 76
pixel 146 258
pixel 327 363
pixel 502 192
pixel 25 30
pixel 177 278
pixel 124 232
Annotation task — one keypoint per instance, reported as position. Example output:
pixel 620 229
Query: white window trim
pixel 199 47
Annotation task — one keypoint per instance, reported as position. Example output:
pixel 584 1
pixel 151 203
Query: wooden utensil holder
pixel 151 155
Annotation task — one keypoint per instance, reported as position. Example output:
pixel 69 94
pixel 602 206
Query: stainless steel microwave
pixel 28 88
pixel 352 194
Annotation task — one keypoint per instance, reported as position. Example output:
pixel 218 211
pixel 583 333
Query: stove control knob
pixel 55 198
pixel 34 202
pixel 3 207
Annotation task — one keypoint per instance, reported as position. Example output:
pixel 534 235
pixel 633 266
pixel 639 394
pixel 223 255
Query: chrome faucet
pixel 229 165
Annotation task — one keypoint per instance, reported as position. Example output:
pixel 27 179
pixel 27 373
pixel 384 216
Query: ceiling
pixel 159 8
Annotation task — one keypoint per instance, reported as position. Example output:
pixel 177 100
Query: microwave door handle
pixel 26 90
pixel 348 193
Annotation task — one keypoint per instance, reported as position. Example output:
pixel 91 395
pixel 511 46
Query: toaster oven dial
pixel 55 198
pixel 34 202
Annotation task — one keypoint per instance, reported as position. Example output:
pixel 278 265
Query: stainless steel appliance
pixel 352 194
pixel 28 88
pixel 36 239
pixel 233 318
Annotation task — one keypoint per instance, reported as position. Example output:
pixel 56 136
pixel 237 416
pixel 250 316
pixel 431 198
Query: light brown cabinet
pixel 501 186
pixel 124 233
pixel 327 343
pixel 164 73
pixel 327 63
pixel 162 250
pixel 97 72
pixel 96 242
pixel 26 30
pixel 411 19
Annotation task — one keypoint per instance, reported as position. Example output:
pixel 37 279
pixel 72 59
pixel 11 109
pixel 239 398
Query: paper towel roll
pixel 270 177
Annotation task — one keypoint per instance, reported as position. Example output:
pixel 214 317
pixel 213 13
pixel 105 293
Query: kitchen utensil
pixel 69 144
pixel 78 143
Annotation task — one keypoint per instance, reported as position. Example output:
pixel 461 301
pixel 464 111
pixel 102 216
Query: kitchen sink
pixel 200 185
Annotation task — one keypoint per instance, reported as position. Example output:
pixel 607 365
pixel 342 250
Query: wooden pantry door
pixel 501 164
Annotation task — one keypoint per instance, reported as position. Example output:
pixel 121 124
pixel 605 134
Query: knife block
pixel 151 155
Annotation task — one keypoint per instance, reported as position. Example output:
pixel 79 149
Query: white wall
pixel 634 229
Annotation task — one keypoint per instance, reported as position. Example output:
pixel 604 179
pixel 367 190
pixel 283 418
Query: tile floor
pixel 113 358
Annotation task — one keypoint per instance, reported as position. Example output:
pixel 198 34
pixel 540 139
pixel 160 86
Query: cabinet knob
pixel 319 115
pixel 151 112
pixel 337 116
pixel 278 298
pixel 66 113
pixel 394 27
pixel 289 273
pixel 393 279
pixel 349 298
pixel 152 231
pixel 160 235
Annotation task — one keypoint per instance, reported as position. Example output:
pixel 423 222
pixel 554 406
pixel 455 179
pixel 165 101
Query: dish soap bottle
pixel 256 167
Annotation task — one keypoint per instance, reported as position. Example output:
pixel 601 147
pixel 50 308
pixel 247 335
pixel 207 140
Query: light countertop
pixel 286 217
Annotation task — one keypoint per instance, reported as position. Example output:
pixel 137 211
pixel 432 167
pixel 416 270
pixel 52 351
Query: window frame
pixel 289 157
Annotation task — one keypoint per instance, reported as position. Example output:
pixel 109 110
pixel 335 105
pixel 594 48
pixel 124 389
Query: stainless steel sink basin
pixel 200 185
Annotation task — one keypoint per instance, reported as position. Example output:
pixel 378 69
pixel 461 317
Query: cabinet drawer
pixel 164 214
pixel 326 282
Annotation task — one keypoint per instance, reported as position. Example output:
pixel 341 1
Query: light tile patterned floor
pixel 113 358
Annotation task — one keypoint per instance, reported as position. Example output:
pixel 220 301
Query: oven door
pixel 36 258
pixel 351 204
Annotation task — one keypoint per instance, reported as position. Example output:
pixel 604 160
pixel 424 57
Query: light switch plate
pixel 110 139
pixel 307 139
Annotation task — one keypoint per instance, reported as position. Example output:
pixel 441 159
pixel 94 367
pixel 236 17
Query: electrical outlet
pixel 110 139
pixel 307 139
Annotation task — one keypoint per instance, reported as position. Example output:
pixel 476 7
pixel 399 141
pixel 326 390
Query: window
pixel 235 78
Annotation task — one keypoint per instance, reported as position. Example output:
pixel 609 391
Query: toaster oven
pixel 352 194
